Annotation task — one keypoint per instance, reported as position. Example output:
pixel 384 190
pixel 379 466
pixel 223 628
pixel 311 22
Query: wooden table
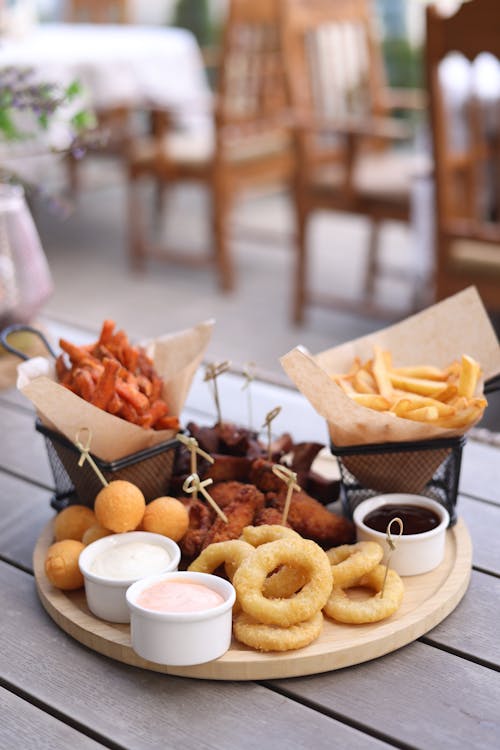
pixel 442 691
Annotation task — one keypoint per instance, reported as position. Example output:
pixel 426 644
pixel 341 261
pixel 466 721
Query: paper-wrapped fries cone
pixel 176 358
pixel 436 336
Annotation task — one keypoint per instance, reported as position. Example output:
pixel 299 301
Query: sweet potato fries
pixel 115 376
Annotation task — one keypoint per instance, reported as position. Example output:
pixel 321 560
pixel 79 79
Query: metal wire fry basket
pixel 150 469
pixel 427 467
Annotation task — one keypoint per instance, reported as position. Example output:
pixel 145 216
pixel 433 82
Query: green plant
pixel 28 109
pixel 195 16
pixel 21 95
pixel 403 62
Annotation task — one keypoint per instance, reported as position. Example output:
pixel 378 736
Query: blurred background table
pixel 127 65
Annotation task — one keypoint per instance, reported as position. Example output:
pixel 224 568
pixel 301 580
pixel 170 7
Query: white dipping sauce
pixel 130 560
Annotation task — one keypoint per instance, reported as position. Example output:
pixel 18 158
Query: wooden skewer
pixel 193 484
pixel 289 477
pixel 267 423
pixel 392 547
pixel 192 444
pixel 212 373
pixel 85 453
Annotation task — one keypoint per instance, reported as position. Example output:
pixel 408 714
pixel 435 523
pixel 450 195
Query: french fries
pixel 115 376
pixel 422 393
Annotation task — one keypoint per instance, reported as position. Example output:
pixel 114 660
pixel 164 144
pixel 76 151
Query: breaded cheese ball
pixel 73 522
pixel 61 565
pixel 120 506
pixel 94 533
pixel 167 516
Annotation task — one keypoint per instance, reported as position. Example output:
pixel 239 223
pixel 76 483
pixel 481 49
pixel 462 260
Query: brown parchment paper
pixel 176 357
pixel 437 336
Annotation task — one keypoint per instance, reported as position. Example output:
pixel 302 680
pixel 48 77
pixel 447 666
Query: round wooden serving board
pixel 428 599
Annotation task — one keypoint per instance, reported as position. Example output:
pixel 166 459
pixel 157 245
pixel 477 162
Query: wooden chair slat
pixel 97 11
pixel 466 155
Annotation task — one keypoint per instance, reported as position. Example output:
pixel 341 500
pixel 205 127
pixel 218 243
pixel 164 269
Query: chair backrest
pixel 465 124
pixel 333 61
pixel 97 11
pixel 335 46
pixel 251 80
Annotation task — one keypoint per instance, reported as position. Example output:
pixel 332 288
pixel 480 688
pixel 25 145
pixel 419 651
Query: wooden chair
pixel 466 175
pixel 338 92
pixel 248 147
pixel 97 11
pixel 112 122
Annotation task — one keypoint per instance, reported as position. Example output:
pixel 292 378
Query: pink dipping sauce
pixel 175 596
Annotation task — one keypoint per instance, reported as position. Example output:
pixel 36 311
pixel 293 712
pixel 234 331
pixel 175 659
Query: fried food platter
pixel 428 599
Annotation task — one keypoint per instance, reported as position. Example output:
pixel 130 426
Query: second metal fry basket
pixel 426 467
pixel 150 469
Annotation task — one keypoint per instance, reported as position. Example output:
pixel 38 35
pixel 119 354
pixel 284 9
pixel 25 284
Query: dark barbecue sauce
pixel 415 518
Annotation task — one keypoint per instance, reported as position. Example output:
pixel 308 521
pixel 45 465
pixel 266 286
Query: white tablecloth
pixel 133 65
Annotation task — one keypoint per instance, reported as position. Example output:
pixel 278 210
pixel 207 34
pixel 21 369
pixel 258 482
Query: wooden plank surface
pixel 142 709
pixel 482 520
pixel 13 397
pixel 472 628
pixel 22 448
pixel 24 510
pixel 419 695
pixel 30 728
pixel 480 472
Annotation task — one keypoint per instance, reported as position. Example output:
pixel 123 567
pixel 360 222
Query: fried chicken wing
pixel 313 521
pixel 240 513
pixel 263 477
pixel 269 516
pixel 224 493
pixel 227 468
pixel 200 520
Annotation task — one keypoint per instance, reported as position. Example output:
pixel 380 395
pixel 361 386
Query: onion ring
pixel 273 638
pixel 250 576
pixel 351 561
pixel 286 581
pixel 231 552
pixel 340 607
pixel 257 535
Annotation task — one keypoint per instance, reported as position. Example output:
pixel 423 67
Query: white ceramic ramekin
pixel 414 553
pixel 181 638
pixel 106 596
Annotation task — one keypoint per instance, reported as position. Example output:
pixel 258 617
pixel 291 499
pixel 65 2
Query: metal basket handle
pixel 24 328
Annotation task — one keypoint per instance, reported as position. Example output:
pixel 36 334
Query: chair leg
pixel 160 195
pixel 301 270
pixel 136 228
pixel 221 209
pixel 73 175
pixel 372 260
